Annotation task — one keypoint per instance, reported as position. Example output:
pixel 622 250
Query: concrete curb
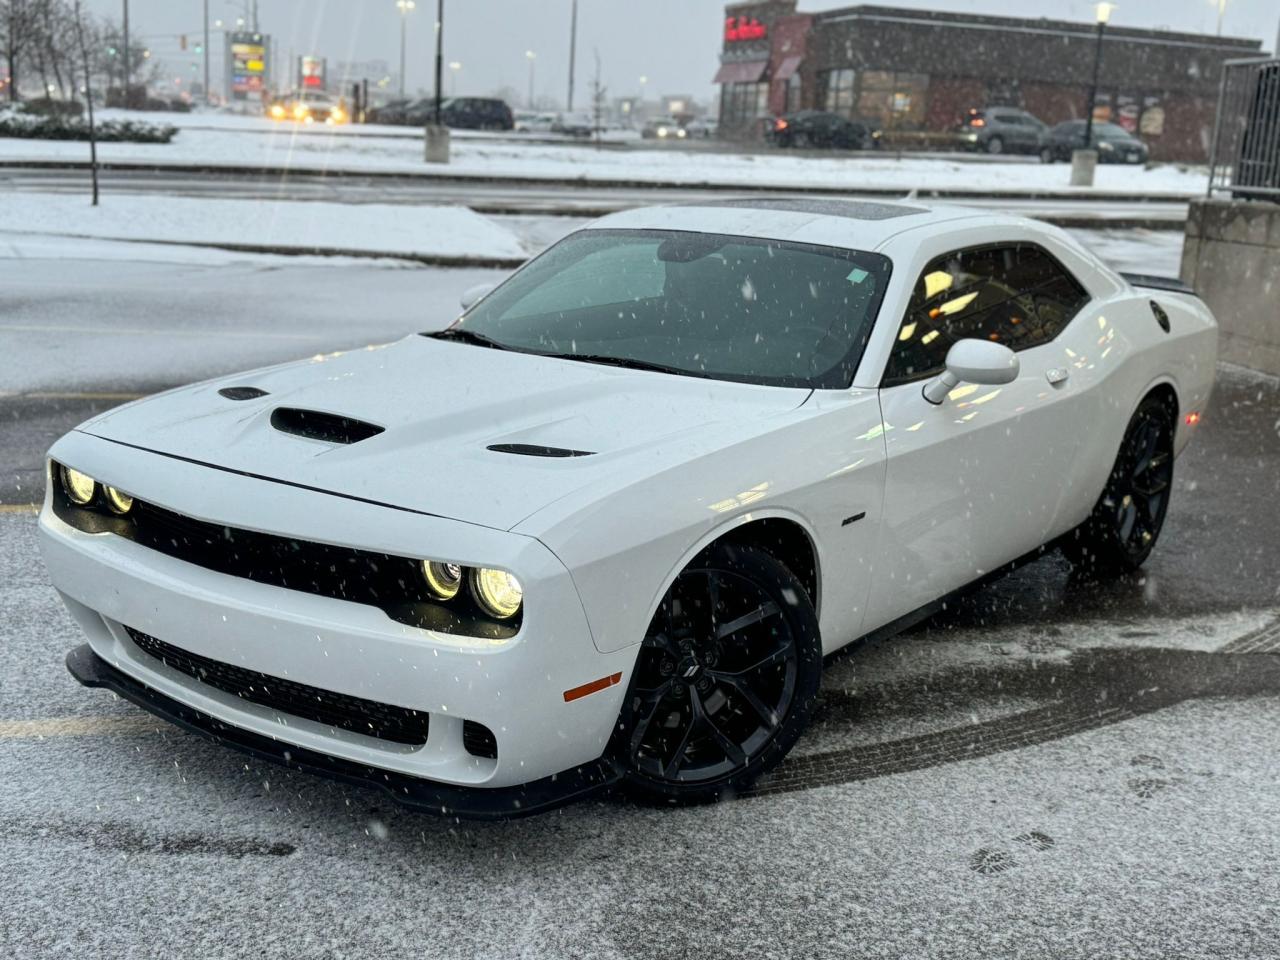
pixel 601 183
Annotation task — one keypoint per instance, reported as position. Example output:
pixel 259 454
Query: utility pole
pixel 533 59
pixel 207 101
pixel 439 54
pixel 1104 12
pixel 88 97
pixel 255 16
pixel 404 6
pixel 573 51
pixel 126 54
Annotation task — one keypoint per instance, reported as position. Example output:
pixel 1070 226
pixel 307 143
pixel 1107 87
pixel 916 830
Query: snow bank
pixel 249 141
pixel 419 230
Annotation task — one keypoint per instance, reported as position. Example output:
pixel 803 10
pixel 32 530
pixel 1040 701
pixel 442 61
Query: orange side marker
pixel 594 686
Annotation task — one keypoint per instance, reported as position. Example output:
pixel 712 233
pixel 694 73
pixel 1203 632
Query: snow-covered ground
pixel 382 228
pixel 232 141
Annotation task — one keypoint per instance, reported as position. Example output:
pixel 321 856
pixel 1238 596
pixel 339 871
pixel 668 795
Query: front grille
pixel 373 719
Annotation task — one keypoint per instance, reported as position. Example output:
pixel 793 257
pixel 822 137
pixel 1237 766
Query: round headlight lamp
pixel 499 593
pixel 78 486
pixel 117 500
pixel 444 580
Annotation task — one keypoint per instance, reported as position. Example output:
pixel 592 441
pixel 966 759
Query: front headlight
pixel 498 592
pixel 1106 147
pixel 443 579
pixel 119 501
pixel 277 112
pixel 80 487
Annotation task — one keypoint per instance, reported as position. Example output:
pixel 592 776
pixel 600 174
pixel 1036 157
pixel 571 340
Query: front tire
pixel 725 680
pixel 1127 520
pixel 995 145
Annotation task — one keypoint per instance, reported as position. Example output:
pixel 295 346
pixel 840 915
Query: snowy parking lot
pixel 1050 767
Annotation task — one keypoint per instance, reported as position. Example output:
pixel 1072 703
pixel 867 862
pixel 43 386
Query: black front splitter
pixel 425 796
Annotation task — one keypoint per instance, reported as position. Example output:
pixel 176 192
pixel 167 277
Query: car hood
pixel 441 407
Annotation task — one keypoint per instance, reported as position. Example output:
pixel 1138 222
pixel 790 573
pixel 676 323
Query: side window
pixel 1016 294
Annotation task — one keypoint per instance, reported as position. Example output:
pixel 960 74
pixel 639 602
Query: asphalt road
pixel 1051 768
pixel 495 196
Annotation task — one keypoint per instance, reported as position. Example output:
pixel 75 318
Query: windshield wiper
pixel 627 362
pixel 463 335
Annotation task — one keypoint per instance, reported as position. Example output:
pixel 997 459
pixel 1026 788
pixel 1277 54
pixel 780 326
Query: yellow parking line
pixel 31 508
pixel 76 727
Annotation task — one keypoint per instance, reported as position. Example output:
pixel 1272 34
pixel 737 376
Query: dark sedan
pixel 817 128
pixel 1114 143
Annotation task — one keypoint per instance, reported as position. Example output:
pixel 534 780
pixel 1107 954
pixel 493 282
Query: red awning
pixel 786 70
pixel 748 71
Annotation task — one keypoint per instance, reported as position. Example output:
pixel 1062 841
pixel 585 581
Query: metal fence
pixel 1244 157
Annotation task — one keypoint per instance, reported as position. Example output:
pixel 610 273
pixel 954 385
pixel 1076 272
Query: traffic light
pixel 182 42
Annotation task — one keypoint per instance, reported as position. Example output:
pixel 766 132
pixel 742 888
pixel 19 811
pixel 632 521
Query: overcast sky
pixel 675 43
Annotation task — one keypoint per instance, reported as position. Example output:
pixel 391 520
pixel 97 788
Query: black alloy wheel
pixel 725 679
pixel 1128 518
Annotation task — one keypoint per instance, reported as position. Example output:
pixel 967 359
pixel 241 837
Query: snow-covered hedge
pixel 35 127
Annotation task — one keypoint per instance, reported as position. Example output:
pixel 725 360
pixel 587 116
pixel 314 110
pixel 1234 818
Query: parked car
pixel 818 128
pixel 465 113
pixel 663 128
pixel 1003 130
pixel 390 112
pixel 703 128
pixel 578 123
pixel 604 528
pixel 1114 143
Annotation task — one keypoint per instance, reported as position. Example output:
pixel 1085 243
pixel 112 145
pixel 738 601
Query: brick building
pixel 919 71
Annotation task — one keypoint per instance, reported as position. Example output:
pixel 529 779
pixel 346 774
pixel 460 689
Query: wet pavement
pixel 1051 767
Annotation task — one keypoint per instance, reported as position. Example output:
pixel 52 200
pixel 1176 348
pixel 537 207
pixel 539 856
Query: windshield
pixel 708 305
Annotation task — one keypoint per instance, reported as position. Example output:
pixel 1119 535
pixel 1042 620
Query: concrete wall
pixel 1232 259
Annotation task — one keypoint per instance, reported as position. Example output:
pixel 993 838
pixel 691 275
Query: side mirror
pixel 472 295
pixel 973 361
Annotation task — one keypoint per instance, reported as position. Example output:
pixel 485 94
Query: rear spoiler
pixel 1171 284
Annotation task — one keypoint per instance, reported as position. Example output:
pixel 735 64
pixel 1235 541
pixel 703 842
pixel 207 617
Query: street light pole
pixel 439 54
pixel 404 6
pixel 573 52
pixel 1104 14
pixel 206 53
pixel 125 103
pixel 532 58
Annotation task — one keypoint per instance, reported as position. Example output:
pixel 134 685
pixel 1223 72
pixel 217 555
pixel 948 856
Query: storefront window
pixel 793 94
pixel 837 90
pixel 743 102
pixel 896 100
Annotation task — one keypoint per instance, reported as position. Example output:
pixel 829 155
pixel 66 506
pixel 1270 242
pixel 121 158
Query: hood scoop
pixel 536 450
pixel 328 427
pixel 241 393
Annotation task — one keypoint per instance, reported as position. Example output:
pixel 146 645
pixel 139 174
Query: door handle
pixel 1057 375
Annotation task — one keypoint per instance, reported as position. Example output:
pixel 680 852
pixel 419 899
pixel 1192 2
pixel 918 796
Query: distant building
pixel 915 70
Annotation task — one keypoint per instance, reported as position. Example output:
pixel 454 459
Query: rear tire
pixel 1046 155
pixel 725 680
pixel 1126 522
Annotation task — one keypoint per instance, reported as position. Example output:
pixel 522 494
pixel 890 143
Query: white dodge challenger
pixel 604 528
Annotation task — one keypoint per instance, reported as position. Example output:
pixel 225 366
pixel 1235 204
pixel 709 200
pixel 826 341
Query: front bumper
pixel 513 686
pixel 411 792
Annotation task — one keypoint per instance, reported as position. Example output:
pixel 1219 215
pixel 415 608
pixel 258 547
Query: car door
pixel 979 480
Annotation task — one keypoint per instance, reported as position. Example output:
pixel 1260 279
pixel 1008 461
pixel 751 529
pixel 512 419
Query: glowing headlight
pixel 337 116
pixel 277 111
pixel 300 112
pixel 497 591
pixel 79 486
pixel 443 579
pixel 119 501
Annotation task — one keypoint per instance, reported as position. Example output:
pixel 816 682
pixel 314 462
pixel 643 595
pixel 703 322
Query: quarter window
pixel 1017 295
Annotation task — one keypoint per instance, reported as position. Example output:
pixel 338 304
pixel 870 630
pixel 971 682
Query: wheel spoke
pixel 743 689
pixel 779 655
pixel 713 601
pixel 647 710
pixel 662 642
pixel 732 751
pixel 672 766
pixel 762 612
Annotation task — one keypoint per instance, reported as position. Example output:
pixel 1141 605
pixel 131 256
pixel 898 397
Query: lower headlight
pixel 443 579
pixel 499 593
pixel 79 486
pixel 119 501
